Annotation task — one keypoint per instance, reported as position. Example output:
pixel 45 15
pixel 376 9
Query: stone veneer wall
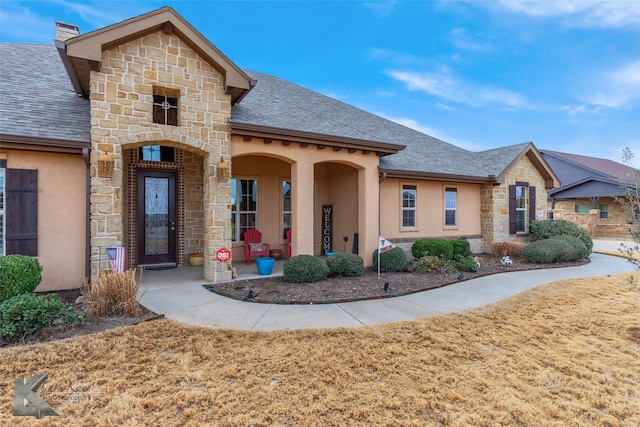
pixel 121 118
pixel 194 212
pixel 494 206
pixel 616 225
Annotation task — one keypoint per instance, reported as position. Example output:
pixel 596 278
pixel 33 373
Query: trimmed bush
pixel 391 260
pixel 433 264
pixel 461 247
pixel 540 230
pixel 512 249
pixel 433 246
pixel 19 274
pixel 555 249
pixel 26 314
pixel 345 264
pixel 304 269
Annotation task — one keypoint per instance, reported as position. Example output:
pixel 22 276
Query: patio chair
pixel 288 235
pixel 253 245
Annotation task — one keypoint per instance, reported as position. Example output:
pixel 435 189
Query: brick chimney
pixel 65 31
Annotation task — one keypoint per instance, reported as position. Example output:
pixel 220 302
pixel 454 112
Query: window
pixel 286 207
pixel 521 208
pixel 520 195
pixel 450 206
pixel 165 106
pixel 583 209
pixel 2 166
pixel 157 153
pixel 244 207
pixel 604 211
pixel 409 205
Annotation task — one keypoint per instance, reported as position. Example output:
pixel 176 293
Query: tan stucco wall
pixel 429 210
pixel 121 118
pixel 495 202
pixel 346 180
pixel 61 215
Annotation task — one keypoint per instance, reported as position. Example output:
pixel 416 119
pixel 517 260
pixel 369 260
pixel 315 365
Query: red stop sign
pixel 223 255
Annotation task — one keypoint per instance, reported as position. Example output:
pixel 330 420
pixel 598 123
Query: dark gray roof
pixel 36 97
pixel 274 102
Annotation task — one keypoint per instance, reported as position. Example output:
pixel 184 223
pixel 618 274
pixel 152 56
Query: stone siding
pixel 122 118
pixel 495 203
pixel 615 225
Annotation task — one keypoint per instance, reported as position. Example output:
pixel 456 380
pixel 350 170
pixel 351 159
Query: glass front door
pixel 156 218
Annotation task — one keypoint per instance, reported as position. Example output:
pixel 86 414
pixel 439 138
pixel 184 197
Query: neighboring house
pixel 173 117
pixel 590 192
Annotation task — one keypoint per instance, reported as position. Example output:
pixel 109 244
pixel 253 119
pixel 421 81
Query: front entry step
pixel 162 266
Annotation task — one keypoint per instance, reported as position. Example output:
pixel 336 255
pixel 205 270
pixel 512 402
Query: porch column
pixel 368 212
pixel 217 229
pixel 302 175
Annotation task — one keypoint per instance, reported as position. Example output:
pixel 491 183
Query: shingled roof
pixel 36 97
pixel 37 100
pixel 598 167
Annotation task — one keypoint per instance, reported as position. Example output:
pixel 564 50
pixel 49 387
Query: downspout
pixel 86 155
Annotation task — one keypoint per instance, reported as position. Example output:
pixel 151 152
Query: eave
pixel 432 176
pixel 287 136
pixel 30 143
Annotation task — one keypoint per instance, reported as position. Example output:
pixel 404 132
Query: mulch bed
pixel 274 290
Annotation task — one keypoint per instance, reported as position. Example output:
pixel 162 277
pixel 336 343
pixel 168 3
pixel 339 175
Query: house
pixel 144 135
pixel 590 192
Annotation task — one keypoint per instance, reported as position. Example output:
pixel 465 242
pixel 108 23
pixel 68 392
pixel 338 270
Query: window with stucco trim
pixel 450 206
pixel 409 193
pixel 286 207
pixel 165 106
pixel 244 207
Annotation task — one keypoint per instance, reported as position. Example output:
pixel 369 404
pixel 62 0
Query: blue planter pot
pixel 265 265
pixel 328 254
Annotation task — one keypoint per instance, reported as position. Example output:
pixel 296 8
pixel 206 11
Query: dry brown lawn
pixel 565 354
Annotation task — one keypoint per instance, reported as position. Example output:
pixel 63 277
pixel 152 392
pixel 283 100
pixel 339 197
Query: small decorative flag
pixel 384 245
pixel 116 258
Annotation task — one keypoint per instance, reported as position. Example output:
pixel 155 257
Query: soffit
pixel 85 52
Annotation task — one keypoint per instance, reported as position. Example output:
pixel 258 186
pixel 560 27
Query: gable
pixel 83 54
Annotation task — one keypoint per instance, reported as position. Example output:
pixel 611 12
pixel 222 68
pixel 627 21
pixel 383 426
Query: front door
pixel 156 218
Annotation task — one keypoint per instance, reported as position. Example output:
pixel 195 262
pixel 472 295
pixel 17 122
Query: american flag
pixel 116 258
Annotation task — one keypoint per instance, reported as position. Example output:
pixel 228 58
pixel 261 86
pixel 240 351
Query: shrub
pixel 113 294
pixel 433 264
pixel 513 249
pixel 304 269
pixel 26 314
pixel 19 274
pixel 391 260
pixel 345 264
pixel 461 247
pixel 544 229
pixel 465 263
pixel 555 249
pixel 432 246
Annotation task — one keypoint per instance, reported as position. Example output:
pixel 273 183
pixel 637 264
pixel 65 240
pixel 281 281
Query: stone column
pixel 302 178
pixel 217 228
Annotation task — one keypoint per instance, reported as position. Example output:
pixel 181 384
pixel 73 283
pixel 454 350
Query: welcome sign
pixel 327 228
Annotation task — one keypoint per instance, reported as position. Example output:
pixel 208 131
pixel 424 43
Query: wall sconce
pixel 222 171
pixel 105 166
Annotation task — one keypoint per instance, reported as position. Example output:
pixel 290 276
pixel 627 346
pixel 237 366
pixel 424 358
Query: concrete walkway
pixel 180 296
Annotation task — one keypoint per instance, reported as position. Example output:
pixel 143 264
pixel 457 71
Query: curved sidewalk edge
pixel 191 303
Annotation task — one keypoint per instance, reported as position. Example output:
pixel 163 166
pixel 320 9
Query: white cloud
pixel 102 14
pixel 446 86
pixel 462 40
pixel 583 13
pixel 620 88
pixel 382 8
pixel 443 136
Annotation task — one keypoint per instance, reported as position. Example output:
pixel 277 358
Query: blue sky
pixel 478 74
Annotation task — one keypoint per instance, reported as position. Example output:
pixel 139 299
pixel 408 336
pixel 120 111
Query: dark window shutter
pixel 512 209
pixel 21 212
pixel 532 204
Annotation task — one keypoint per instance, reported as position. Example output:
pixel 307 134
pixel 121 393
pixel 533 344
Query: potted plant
pixel 196 259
